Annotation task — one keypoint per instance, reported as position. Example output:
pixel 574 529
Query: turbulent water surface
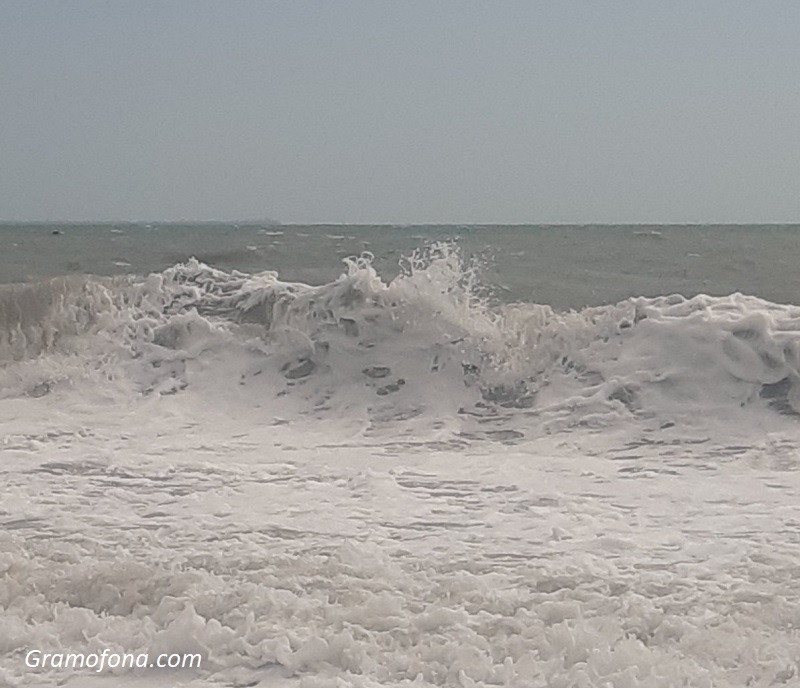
pixel 461 457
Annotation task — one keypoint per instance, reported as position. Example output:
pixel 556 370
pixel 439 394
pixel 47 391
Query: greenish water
pixel 564 266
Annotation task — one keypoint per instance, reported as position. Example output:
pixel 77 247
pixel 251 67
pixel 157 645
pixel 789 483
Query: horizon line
pixel 276 223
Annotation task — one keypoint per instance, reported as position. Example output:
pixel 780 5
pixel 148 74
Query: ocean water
pixel 401 456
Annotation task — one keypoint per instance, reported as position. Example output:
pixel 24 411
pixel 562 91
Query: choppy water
pixel 564 267
pixel 417 468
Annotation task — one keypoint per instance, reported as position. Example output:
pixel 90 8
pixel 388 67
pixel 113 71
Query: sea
pixel 364 456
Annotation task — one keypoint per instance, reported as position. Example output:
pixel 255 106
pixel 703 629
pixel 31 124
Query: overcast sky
pixel 401 112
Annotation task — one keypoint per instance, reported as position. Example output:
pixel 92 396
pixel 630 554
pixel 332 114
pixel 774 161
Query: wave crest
pixel 427 343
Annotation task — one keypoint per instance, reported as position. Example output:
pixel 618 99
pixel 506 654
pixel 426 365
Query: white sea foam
pixel 384 484
pixel 662 355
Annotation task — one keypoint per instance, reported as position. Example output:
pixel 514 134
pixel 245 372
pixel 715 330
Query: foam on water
pixel 358 339
pixel 372 483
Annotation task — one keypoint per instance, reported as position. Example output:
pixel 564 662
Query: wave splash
pixel 427 344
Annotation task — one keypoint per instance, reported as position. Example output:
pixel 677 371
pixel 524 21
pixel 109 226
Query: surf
pixel 430 342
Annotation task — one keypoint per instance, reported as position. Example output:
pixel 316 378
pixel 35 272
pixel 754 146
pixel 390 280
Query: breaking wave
pixel 427 344
pixel 314 485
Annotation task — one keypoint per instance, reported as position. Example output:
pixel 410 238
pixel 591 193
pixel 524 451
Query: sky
pixel 400 112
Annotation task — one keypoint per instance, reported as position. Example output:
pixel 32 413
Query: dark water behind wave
pixel 564 266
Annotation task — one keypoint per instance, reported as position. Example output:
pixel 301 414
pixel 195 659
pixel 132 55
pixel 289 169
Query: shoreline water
pixel 378 480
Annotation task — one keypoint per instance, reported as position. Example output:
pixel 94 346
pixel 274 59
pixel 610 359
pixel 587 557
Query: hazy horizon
pixel 277 223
